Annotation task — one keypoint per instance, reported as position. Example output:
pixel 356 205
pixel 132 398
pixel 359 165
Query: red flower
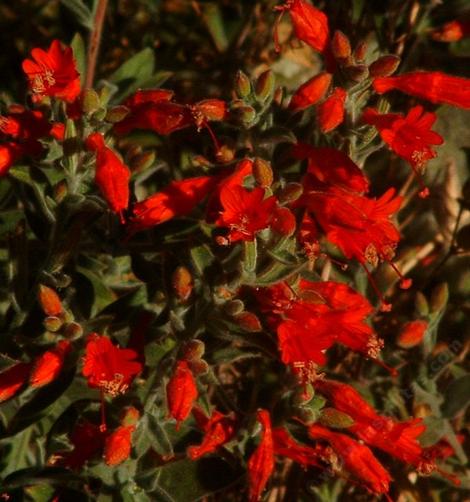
pixel 218 430
pixel 53 73
pixel 432 86
pixel 412 334
pixel 408 136
pixel 179 198
pixel 181 392
pixel 286 446
pixel 358 459
pixel 48 366
pixel 331 111
pixel 108 367
pixel 452 31
pixel 12 379
pixel 147 96
pixel 311 92
pixel 9 154
pixel 117 447
pixel 310 24
pixel 261 462
pixel 328 166
pixel 358 225
pixel 283 221
pixel 245 212
pixel 87 440
pixel 111 175
pixel 396 438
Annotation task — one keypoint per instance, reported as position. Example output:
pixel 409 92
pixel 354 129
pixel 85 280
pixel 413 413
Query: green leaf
pixel 249 257
pixel 133 73
pixel 83 14
pixel 202 258
pixel 79 53
pixel 212 18
pixel 275 273
pixel 103 296
pixel 457 397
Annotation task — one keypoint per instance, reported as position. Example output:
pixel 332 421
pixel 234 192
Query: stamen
pixel 281 9
pixel 103 416
pixel 418 162
pixel 384 307
pixel 405 283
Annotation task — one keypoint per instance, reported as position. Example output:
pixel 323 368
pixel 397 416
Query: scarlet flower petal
pixel 12 379
pixel 48 366
pixel 311 92
pixel 331 111
pixel 181 392
pixel 433 86
pixel 310 25
pixel 117 447
pixel 412 334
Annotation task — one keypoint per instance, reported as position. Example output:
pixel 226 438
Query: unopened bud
pixel 242 85
pixel 53 323
pixel 290 193
pixel 412 334
pixel 182 282
pixel 247 115
pixel 248 322
pixel 90 101
pixel 303 395
pixel 225 154
pixel 360 52
pixel 116 114
pixel 356 73
pixel 265 86
pixel 194 349
pixel 198 366
pixel 332 417
pixel 234 307
pixel 384 66
pixel 130 416
pixel 262 172
pixel 50 301
pixel 340 46
pixel 73 330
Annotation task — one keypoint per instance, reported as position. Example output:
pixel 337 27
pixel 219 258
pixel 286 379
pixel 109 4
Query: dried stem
pixel 94 44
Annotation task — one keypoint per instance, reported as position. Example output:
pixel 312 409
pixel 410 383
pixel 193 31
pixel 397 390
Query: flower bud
pixel 116 114
pixel 117 447
pixel 384 66
pixel 50 301
pixel 90 101
pixel 247 115
pixel 194 349
pixel 242 85
pixel 213 109
pixel 265 86
pixel 73 330
pixel 181 392
pixel 340 46
pixel 12 379
pixel 130 416
pixel 182 282
pixel 198 367
pixel 225 154
pixel 53 324
pixel 262 172
pixel 412 334
pixel 311 92
pixel 331 417
pixel 234 307
pixel 291 192
pixel 48 365
pixel 248 322
pixel 439 297
pixel 360 52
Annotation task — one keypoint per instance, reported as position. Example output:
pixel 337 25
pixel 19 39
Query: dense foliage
pixel 234 243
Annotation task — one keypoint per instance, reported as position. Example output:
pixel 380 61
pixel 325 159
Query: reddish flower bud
pixel 263 172
pixel 384 66
pixel 111 176
pixel 433 86
pixel 117 447
pixel 48 366
pixel 360 52
pixel 261 463
pixel 181 392
pixel 311 92
pixel 12 379
pixel 331 111
pixel 453 31
pixel 412 334
pixel 310 24
pixel 248 322
pixel 182 282
pixel 340 46
pixel 283 221
pixel 50 301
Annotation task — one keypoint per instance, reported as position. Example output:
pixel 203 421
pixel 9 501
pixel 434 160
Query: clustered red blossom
pixel 308 317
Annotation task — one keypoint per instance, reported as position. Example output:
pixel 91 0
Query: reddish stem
pixel 94 44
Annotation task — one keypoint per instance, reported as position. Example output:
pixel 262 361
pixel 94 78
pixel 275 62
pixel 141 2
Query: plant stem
pixel 94 44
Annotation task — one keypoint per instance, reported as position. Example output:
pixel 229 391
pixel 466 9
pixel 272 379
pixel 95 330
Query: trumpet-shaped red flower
pixel 358 459
pixel 48 366
pixel 53 73
pixel 181 392
pixel 399 439
pixel 218 430
pixel 286 446
pixel 111 175
pixel 329 167
pixel 310 24
pixel 118 444
pixel 245 212
pixel 179 198
pixel 108 367
pixel 360 226
pixel 261 462
pixel 12 379
pixel 433 86
pixel 311 92
pixel 331 111
pixel 410 136
pixel 148 96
